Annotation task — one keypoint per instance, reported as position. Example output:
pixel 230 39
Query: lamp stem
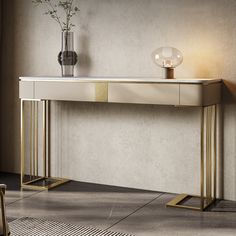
pixel 168 73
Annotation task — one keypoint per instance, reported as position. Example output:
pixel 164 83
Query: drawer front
pixel 71 91
pixel 163 94
pixel 191 95
pixel 26 89
pixel 200 95
pixel 212 94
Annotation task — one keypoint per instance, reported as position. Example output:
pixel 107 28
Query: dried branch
pixel 67 6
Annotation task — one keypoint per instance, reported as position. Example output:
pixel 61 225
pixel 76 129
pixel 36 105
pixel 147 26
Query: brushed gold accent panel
pixel 26 89
pixel 101 92
pixel 64 91
pixel 162 94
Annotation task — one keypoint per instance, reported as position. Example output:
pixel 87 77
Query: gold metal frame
pixel 208 163
pixel 35 181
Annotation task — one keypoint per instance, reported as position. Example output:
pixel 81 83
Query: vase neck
pixel 67 41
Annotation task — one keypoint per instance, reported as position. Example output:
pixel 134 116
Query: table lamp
pixel 167 58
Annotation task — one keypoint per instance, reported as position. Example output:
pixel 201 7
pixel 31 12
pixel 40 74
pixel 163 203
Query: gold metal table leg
pixel 22 131
pixel 33 179
pixel 208 163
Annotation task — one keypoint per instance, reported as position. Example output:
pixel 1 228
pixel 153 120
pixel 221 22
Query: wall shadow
pixel 84 60
pixel 228 98
pixel 9 88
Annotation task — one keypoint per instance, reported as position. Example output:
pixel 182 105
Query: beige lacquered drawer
pixel 199 94
pixel 71 91
pixel 163 94
pixel 26 89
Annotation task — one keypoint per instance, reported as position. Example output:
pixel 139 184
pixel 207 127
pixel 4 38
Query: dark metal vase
pixel 67 57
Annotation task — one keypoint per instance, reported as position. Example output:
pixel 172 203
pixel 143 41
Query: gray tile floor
pixel 119 209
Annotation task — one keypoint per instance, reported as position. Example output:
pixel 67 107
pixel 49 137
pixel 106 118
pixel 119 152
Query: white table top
pixel 122 79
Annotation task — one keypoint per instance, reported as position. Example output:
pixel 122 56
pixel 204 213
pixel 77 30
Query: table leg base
pixel 179 200
pixel 43 183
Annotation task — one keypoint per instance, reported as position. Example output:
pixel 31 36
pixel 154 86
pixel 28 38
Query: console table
pixel 204 93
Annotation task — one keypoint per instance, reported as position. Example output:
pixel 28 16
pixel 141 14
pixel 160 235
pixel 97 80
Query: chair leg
pixel 5 230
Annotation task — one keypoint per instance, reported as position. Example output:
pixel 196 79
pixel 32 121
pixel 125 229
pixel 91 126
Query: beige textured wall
pixel 147 147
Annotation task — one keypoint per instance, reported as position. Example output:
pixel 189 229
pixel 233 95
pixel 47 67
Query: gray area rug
pixel 41 227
